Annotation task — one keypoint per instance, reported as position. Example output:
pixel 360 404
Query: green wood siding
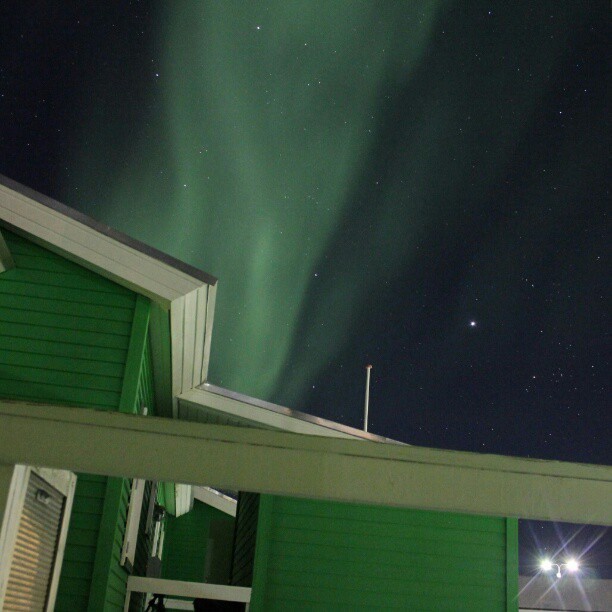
pixel 64 331
pixel 186 542
pixel 77 567
pixel 70 336
pixel 512 565
pixel 110 577
pixel 317 555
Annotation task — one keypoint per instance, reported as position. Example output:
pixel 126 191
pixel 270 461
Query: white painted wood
pixel 188 299
pixel 177 332
pixel 61 480
pixel 68 482
pixel 6 477
pixel 10 523
pixel 183 496
pixel 200 337
pixel 256 415
pixel 280 463
pixel 128 597
pixel 64 482
pixel 162 539
pixel 211 299
pixel 106 256
pixel 181 588
pixel 6 259
pixel 217 500
pixel 130 537
pixel 189 333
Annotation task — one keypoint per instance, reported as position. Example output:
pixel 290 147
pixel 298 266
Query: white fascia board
pixel 130 535
pixel 85 245
pixel 289 464
pixel 9 525
pixel 189 338
pixel 183 499
pixel 179 497
pixel 6 259
pixel 211 300
pixel 188 297
pixel 257 415
pixel 181 588
pixel 214 498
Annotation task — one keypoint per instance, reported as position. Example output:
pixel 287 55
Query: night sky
pixel 419 186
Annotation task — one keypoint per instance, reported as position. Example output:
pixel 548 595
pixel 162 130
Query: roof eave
pixel 183 296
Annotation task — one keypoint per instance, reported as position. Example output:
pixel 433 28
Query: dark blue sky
pixel 366 179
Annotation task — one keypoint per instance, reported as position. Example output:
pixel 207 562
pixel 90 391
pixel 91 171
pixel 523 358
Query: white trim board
pixel 186 295
pixel 194 404
pixel 280 463
pixel 130 536
pixel 65 483
pixel 181 588
pixel 6 259
pixel 214 498
pixel 84 245
pixel 10 522
pixel 68 482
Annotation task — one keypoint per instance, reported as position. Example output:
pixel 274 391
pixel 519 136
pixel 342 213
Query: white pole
pixel 367 399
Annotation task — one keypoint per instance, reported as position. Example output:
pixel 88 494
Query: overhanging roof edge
pixel 272 415
pixel 108 231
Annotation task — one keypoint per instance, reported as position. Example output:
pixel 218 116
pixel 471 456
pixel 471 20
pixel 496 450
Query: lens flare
pixel 546 565
pixel 573 565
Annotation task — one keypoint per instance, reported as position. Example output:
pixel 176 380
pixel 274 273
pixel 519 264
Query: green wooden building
pixel 90 318
pixel 303 554
pixel 104 351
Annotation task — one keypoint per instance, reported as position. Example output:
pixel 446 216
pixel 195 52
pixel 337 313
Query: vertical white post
pixel 366 406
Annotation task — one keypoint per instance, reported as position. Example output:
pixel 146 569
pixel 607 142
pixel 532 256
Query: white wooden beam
pixel 191 335
pixel 6 259
pixel 181 588
pixel 259 415
pixel 249 459
pixel 217 500
pixel 90 247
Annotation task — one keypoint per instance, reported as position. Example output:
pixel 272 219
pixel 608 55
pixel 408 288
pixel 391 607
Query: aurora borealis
pixel 365 179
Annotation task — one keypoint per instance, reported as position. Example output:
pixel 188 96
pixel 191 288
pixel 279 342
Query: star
pixel 472 323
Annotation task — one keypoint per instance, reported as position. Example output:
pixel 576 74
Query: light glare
pixel 546 565
pixel 572 565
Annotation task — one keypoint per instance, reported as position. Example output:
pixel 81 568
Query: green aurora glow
pixel 264 133
pixel 284 138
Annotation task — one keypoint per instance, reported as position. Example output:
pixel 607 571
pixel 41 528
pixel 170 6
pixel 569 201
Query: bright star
pixel 472 323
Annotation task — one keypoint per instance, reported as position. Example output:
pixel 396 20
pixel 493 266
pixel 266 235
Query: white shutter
pixel 33 536
pixel 133 520
pixel 35 548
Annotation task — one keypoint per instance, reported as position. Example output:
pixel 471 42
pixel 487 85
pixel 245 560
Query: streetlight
pixel 571 565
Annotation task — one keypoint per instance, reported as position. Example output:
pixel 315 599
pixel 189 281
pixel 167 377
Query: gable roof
pixel 216 405
pixel 183 297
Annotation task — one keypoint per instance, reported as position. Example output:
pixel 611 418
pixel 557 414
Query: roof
pixel 211 404
pixel 570 592
pixel 183 297
pixel 65 229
